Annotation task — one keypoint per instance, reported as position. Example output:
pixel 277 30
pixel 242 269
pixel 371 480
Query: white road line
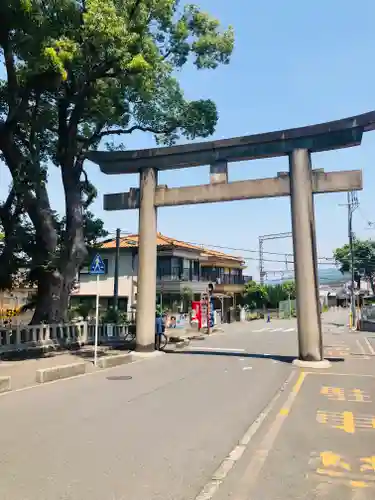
pixel 227 464
pixel 370 348
pixel 289 330
pixel 221 349
pixel 247 368
pixel 361 348
pixel 276 330
pixel 261 330
pixel 245 484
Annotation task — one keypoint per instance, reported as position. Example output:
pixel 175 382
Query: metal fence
pixel 287 308
pixel 368 313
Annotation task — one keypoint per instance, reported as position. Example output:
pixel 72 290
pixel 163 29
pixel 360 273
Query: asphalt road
pixel 159 428
pixel 157 435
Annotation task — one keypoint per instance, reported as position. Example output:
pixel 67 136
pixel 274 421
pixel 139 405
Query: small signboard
pixel 97 265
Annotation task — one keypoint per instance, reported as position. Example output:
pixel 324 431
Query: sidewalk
pixel 23 371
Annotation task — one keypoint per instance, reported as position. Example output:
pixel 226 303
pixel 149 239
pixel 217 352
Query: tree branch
pixel 132 12
pixel 127 131
pixel 11 71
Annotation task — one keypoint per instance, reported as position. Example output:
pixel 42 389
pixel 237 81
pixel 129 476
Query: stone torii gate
pixel 300 183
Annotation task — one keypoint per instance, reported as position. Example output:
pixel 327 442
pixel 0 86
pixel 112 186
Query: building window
pixel 164 267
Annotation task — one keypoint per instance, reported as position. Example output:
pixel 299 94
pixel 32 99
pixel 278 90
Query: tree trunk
pixel 74 251
pixel 38 208
pixel 47 307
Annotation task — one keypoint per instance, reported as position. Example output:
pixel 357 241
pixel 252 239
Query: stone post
pixel 305 261
pixel 146 291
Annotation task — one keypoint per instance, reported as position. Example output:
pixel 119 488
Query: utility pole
pixel 116 274
pixel 262 272
pixel 352 205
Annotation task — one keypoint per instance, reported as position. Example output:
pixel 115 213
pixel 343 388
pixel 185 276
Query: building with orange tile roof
pixel 183 268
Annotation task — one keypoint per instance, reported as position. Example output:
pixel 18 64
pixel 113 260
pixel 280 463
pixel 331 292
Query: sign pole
pixel 96 269
pixel 96 321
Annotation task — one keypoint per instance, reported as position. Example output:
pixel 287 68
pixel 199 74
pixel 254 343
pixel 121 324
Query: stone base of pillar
pixel 324 363
pixel 145 348
pixel 145 354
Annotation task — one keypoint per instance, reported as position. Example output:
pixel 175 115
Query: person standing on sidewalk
pixel 159 329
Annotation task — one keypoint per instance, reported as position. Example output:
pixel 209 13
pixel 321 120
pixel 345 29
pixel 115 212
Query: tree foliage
pixel 258 296
pixel 364 260
pixel 79 73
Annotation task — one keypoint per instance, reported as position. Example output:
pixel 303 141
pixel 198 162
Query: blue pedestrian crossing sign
pixel 97 265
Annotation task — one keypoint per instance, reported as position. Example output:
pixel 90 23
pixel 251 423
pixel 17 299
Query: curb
pixel 59 372
pixel 111 361
pixel 5 384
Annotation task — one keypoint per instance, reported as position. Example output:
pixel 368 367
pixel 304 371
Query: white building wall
pixel 87 282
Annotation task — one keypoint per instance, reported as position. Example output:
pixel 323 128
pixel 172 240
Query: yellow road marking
pixel 299 382
pixel 284 411
pixel 336 393
pixel 348 425
pixel 346 421
pixel 358 484
pixel 331 473
pixel 368 464
pixel 360 396
pixel 330 459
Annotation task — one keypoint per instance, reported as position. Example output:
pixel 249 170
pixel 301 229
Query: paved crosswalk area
pixel 271 329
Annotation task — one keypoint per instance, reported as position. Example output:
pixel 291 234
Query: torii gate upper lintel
pixel 346 132
pixel 301 182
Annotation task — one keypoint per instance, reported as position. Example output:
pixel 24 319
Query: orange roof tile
pixel 131 241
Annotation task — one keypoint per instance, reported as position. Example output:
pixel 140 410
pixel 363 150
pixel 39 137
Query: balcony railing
pixel 224 279
pixel 178 274
pixel 186 275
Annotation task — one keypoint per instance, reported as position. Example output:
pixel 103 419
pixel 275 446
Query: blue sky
pixel 294 64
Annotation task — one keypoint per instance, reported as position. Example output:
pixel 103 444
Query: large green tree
pixel 363 259
pixel 78 73
pixel 255 295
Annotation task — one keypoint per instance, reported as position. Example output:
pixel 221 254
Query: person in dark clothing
pixel 159 329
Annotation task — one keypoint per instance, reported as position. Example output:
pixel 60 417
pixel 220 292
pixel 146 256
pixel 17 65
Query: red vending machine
pixel 196 313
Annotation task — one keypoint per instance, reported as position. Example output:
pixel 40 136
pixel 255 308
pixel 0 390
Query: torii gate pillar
pixel 147 258
pixel 305 257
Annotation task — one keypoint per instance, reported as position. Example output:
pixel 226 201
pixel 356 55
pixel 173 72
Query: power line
pixel 286 262
pixel 248 250
pixel 262 260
